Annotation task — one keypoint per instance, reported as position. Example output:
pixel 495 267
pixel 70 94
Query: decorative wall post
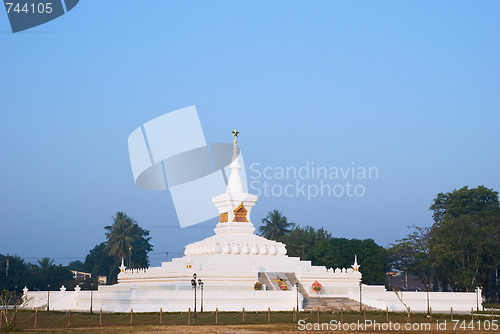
pixel 25 295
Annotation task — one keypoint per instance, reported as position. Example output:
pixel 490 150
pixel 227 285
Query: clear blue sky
pixel 411 87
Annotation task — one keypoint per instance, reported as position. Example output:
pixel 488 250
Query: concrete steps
pixel 332 304
pixel 293 279
pixel 312 303
pixel 264 279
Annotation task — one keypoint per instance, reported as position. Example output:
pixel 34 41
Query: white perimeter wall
pixel 377 296
pixel 122 300
pixel 169 301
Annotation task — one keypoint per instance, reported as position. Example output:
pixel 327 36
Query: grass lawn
pixel 232 322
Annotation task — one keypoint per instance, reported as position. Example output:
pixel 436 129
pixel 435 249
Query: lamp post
pixel 91 295
pixel 360 298
pixel 193 284
pixel 129 253
pixel 48 296
pixel 297 286
pixel 200 283
pixel 477 298
pixel 428 306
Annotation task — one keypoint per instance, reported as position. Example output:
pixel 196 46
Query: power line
pixel 52 258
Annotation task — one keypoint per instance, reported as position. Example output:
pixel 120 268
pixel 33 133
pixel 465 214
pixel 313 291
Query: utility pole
pixel 496 284
pixel 7 266
pixel 129 253
pixel 360 298
pixel 48 297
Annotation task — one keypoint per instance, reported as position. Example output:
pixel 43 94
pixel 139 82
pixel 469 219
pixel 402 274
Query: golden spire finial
pixel 235 135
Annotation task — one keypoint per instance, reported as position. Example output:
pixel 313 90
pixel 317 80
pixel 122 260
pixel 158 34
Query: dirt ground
pixel 229 329
pixel 206 329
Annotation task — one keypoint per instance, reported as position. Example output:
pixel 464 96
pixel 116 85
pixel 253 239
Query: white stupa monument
pixel 240 269
pixel 229 263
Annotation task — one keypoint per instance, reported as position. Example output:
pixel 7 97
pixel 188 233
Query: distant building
pixel 80 275
pixel 101 280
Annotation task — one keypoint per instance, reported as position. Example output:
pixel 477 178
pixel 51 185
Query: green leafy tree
pixel 99 263
pixel 301 239
pixel 339 252
pixel 77 265
pixel 464 201
pixel 90 283
pixel 411 254
pixel 33 276
pixel 275 225
pixel 464 246
pixel 51 275
pixel 126 235
pixel 16 276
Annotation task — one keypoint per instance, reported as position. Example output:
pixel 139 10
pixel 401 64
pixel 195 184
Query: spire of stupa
pixel 234 184
pixel 122 267
pixel 355 266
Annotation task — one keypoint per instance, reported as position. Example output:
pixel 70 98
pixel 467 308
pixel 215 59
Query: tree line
pixel 125 239
pixel 460 251
pixel 322 249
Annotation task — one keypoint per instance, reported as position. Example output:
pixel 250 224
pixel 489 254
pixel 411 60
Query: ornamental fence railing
pixel 27 319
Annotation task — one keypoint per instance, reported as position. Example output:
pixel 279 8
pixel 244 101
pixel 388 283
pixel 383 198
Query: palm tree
pixel 275 225
pixel 120 235
pixel 124 235
pixel 45 262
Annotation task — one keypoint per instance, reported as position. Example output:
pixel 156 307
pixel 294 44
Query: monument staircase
pixel 293 279
pixel 311 303
pixel 332 304
pixel 264 279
